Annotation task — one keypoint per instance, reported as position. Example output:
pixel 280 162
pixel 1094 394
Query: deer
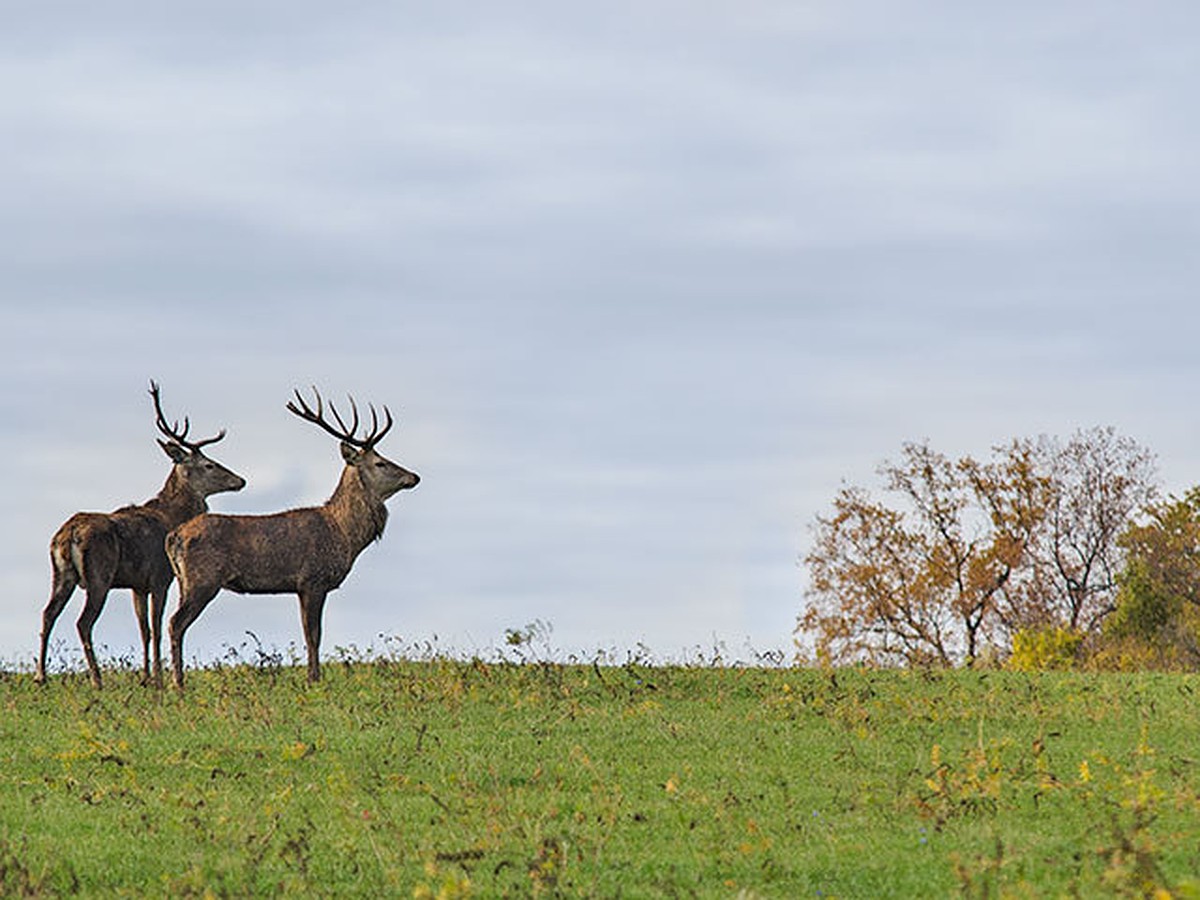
pixel 307 551
pixel 126 548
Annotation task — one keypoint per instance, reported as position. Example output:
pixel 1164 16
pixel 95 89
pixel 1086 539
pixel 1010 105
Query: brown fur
pixel 307 552
pixel 124 549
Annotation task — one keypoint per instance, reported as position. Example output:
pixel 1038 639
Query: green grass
pixel 444 778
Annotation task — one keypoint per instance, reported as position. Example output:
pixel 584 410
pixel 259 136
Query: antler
pixel 172 431
pixel 342 433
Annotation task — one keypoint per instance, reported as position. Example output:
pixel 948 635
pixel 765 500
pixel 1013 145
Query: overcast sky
pixel 644 282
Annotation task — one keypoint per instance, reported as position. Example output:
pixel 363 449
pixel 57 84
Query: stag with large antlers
pixel 125 548
pixel 307 552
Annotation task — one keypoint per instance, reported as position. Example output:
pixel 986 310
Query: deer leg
pixel 139 610
pixel 158 605
pixel 95 562
pixel 312 605
pixel 65 581
pixel 191 603
pixel 96 595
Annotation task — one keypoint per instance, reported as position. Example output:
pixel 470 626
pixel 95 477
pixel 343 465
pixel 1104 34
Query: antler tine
pixel 302 409
pixel 212 440
pixel 377 434
pixel 305 412
pixel 172 431
pixel 354 427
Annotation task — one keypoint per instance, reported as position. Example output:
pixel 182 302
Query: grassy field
pixel 446 778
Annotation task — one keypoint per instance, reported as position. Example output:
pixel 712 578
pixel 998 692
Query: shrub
pixel 1041 649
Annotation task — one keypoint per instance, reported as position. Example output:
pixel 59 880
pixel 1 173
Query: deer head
pixel 203 475
pixel 379 475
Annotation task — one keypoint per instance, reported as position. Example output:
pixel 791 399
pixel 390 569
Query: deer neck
pixel 177 502
pixel 359 515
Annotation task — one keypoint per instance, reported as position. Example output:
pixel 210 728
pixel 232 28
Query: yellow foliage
pixel 1039 650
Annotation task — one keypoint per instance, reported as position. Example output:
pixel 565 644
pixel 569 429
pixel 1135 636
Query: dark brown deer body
pixel 307 552
pixel 124 549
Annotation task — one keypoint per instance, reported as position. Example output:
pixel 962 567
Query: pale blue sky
pixel 644 282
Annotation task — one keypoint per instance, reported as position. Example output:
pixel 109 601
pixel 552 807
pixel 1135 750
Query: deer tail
pixel 67 548
pixel 173 546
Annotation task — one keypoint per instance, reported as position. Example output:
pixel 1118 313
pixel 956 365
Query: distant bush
pixel 1039 650
pixel 1173 649
pixel 1156 622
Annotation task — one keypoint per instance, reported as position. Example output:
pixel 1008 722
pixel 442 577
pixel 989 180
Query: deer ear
pixel 351 454
pixel 178 454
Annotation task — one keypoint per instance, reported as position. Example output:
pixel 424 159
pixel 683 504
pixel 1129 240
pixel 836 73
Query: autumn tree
pixel 970 553
pixel 1098 482
pixel 871 587
pixel 920 584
